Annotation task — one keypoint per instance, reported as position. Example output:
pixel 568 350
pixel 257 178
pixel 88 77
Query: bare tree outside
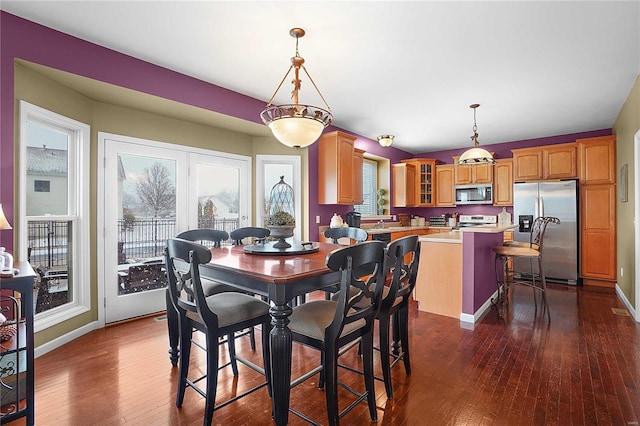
pixel 156 190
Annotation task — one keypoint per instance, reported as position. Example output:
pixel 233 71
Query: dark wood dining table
pixel 281 278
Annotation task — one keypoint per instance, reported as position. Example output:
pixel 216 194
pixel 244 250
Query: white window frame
pixel 78 209
pixel 380 183
pixel 293 160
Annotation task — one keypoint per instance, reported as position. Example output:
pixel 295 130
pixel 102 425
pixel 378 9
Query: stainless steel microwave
pixel 474 194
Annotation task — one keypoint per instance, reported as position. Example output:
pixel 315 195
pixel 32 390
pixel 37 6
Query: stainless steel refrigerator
pixel 560 244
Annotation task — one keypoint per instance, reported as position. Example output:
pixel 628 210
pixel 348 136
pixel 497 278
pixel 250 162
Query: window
pixel 269 168
pixel 41 186
pixel 369 206
pixel 54 202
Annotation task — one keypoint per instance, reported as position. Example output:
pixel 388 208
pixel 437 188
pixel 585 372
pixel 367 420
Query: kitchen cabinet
pixel 597 160
pixel 598 235
pixel 545 162
pixel 404 180
pixel 503 182
pixel 598 257
pixel 445 195
pixel 477 173
pixel 358 160
pixel 17 353
pixel 424 184
pixel 338 174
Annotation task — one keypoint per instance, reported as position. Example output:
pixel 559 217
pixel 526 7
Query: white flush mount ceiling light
pixel 296 125
pixel 476 155
pixel 385 140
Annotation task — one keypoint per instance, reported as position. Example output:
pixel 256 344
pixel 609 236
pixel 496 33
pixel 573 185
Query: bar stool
pixel 512 250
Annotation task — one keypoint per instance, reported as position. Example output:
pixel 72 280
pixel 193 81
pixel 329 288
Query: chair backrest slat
pixel 247 232
pixel 357 234
pixel 205 235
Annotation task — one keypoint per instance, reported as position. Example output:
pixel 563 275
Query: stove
pixel 477 219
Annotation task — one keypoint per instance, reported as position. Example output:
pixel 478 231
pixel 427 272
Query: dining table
pixel 281 278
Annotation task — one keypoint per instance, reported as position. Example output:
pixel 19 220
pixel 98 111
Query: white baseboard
pixel 66 338
pixel 478 314
pixel 626 302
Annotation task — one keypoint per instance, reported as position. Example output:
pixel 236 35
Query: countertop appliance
pixel 560 244
pixel 353 219
pixel 477 219
pixel 474 194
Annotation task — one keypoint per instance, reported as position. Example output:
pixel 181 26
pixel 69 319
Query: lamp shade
pixel 4 223
pixel 296 131
pixel 385 140
pixel 476 155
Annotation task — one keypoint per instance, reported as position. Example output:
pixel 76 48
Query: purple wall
pixel 478 272
pixel 22 39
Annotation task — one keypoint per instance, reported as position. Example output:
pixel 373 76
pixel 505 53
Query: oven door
pixel 474 194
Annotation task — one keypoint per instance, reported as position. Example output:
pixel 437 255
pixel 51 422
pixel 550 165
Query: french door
pixel 151 192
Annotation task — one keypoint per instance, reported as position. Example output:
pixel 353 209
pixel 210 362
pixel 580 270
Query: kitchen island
pixel 456 273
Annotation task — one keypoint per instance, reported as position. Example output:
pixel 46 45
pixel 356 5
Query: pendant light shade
pixel 475 155
pixel 296 125
pixel 385 140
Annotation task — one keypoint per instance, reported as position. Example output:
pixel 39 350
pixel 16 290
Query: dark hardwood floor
pixel 581 369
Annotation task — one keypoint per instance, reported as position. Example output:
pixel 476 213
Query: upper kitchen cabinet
pixel 545 162
pixel 597 160
pixel 358 160
pixel 445 195
pixel 339 169
pixel 424 184
pixel 503 182
pixel 404 181
pixel 477 173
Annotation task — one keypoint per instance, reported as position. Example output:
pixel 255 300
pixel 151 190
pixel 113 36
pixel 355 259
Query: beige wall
pixel 625 127
pixel 102 117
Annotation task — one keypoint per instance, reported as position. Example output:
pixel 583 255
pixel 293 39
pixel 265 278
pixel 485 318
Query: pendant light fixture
pixel 385 140
pixel 296 125
pixel 476 155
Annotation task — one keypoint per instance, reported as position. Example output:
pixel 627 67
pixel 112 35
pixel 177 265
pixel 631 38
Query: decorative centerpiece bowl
pixel 281 224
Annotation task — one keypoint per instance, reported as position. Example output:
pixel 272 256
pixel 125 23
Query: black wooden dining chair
pixel 402 257
pixel 209 238
pixel 332 326
pixel 258 234
pixel 401 271
pixel 216 315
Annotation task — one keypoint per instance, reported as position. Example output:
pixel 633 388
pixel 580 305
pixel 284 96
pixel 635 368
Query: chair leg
pixel 266 355
pixel 231 342
pixel 367 361
pixel 252 338
pixel 385 363
pixel 321 382
pixel 533 283
pixel 402 319
pixel 174 331
pixel 186 331
pixel 545 304
pixel 212 379
pixel 330 361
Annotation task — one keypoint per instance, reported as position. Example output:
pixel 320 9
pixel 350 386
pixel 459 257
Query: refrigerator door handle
pixel 540 206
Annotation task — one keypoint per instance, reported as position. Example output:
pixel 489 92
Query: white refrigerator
pixel 560 244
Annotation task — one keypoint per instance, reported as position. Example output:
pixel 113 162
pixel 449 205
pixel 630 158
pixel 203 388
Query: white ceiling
pixel 406 68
